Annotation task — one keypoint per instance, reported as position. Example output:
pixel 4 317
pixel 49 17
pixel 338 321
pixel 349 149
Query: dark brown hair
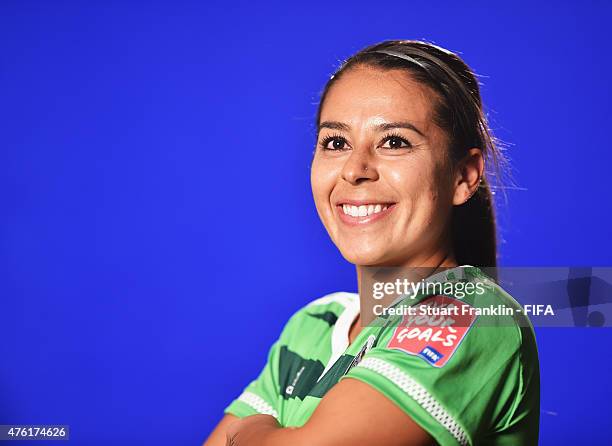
pixel 459 113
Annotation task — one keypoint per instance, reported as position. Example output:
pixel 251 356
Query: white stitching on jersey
pixel 418 393
pixel 258 403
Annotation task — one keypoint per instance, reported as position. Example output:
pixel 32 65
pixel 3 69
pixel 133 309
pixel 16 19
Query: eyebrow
pixel 336 125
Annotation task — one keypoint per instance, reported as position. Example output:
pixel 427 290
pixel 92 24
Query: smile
pixel 364 210
pixel 363 213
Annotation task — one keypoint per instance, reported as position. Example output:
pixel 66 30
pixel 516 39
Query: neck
pixel 423 266
pixel 415 268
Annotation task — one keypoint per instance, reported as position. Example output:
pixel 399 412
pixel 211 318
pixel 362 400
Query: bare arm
pixel 352 413
pixel 218 436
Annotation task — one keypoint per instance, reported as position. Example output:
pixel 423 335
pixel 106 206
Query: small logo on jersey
pixel 436 329
pixel 290 388
pixel 431 354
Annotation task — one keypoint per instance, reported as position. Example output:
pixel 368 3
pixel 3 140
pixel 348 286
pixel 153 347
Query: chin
pixel 364 257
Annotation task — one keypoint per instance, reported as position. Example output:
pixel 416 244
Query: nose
pixel 359 167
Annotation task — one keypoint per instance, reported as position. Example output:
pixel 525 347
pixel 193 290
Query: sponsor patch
pixel 435 330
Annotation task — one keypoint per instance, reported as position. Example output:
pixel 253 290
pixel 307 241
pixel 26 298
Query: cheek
pixel 323 177
pixel 410 184
pixel 436 202
pixel 422 191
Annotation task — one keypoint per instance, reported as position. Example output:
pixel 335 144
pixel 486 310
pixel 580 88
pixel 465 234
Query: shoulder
pixel 335 302
pixel 498 324
pixel 342 299
pixel 468 325
pixel 468 370
pixel 324 311
pixel 499 311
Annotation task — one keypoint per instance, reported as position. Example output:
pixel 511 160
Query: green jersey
pixel 473 380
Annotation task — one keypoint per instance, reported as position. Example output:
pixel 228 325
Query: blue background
pixel 157 224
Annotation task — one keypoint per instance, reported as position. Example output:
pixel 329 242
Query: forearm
pixel 218 436
pixel 280 437
pixel 264 434
pixel 351 413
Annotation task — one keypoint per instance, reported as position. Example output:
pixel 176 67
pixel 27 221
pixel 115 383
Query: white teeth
pixel 363 210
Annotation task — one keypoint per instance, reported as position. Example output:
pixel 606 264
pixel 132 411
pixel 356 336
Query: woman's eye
pixel 333 143
pixel 395 142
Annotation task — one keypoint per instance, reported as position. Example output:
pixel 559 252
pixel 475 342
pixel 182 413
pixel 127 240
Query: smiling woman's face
pixel 381 177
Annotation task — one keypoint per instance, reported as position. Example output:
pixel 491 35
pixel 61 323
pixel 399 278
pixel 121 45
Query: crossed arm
pixel 351 413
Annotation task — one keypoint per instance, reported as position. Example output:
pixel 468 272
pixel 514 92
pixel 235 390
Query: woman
pixel 398 180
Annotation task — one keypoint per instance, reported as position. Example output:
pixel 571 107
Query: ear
pixel 468 174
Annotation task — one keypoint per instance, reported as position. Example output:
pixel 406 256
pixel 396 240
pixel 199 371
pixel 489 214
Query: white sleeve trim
pixel 258 403
pixel 418 393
